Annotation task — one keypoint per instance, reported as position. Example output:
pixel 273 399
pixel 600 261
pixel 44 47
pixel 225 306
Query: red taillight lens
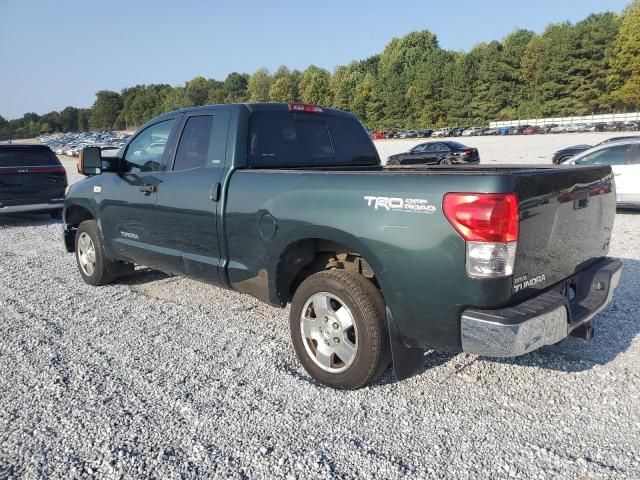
pixel 304 107
pixel 468 152
pixel 483 217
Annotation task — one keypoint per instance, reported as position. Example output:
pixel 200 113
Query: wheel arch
pixel 303 257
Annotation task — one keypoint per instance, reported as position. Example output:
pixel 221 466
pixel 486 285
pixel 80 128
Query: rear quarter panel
pixel 418 258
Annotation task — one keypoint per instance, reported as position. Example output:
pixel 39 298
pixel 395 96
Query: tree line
pixel 592 66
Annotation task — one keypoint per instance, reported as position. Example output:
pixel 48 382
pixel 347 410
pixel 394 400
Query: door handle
pixel 215 192
pixel 147 189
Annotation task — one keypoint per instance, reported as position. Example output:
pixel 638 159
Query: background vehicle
pixel 289 203
pixel 624 158
pixel 436 153
pixel 32 179
pixel 425 133
pixel 443 132
pixel 565 153
pixel 378 135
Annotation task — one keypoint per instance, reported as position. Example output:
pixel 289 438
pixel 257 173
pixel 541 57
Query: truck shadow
pixel 12 220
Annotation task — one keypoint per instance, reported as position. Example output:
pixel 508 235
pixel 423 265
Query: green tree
pixel 259 85
pixel 105 110
pixel 315 86
pixel 624 77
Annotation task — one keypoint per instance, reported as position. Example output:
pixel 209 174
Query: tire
pixel 90 257
pixel 445 161
pixel 56 214
pixel 359 332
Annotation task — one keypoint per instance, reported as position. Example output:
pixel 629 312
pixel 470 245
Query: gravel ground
pixel 164 377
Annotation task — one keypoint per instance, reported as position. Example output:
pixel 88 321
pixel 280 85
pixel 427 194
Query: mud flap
pixel 406 360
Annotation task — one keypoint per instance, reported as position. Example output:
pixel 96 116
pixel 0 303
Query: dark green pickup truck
pixel 290 204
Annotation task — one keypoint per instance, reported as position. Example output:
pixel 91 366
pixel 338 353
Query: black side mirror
pixel 91 161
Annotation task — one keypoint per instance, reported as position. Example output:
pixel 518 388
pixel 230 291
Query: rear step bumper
pixel 34 207
pixel 544 319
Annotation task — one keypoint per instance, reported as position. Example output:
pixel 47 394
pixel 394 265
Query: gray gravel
pixel 163 377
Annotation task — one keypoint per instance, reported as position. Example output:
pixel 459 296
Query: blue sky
pixel 59 53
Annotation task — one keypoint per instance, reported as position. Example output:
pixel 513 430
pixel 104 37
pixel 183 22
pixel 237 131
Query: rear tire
pixel 445 161
pixel 90 256
pixel 339 329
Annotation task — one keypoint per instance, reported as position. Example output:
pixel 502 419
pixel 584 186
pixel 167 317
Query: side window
pixel 144 153
pixel 608 156
pixel 635 157
pixel 194 149
pixel 418 149
pixel 432 147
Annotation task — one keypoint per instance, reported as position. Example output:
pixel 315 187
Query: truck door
pixel 187 205
pixel 127 198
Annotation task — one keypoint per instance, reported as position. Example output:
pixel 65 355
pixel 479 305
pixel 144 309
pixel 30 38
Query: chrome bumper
pixel 35 207
pixel 543 320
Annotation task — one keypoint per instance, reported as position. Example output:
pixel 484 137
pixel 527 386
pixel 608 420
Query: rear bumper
pixel 34 207
pixel 544 319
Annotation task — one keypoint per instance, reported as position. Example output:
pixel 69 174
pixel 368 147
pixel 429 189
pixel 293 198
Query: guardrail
pixel 540 122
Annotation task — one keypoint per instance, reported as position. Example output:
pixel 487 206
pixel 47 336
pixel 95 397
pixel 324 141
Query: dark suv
pixel 32 179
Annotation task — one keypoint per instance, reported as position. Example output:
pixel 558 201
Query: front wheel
pixel 92 262
pixel 339 330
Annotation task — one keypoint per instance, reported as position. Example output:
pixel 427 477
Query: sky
pixel 59 53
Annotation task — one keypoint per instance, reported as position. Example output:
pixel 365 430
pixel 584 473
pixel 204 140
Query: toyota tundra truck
pixel 289 203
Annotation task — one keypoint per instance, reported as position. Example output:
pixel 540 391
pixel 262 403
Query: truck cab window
pixel 145 152
pixel 194 149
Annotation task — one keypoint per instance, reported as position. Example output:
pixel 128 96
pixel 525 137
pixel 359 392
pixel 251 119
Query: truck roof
pixel 257 107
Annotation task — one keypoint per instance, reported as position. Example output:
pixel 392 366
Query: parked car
pixel 379 264
pixel 436 153
pixel 490 131
pixel 472 131
pixel 532 130
pixel 623 156
pixel 424 133
pixel 32 179
pixel 505 130
pixel 566 153
pixel 378 135
pixel 409 134
pixel 442 132
pixel 390 134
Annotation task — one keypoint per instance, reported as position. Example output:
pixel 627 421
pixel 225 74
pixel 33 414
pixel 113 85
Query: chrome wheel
pixel 329 332
pixel 86 254
pixel 445 161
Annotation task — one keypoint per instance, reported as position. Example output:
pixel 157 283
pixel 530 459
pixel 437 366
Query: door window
pixel 635 157
pixel 418 149
pixel 194 149
pixel 608 156
pixel 145 152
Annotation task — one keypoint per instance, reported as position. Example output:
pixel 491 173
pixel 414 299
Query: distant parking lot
pixel 159 376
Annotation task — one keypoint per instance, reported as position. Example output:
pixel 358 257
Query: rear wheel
pixel 90 256
pixel 339 330
pixel 445 161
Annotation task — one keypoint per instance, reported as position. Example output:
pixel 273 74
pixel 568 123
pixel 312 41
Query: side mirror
pixel 90 161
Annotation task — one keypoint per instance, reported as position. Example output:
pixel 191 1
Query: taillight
pixel 468 152
pixel 304 107
pixel 489 223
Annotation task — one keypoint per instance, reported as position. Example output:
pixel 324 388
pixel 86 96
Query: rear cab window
pixel 28 157
pixel 289 139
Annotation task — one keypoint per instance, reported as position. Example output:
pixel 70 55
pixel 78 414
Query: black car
pixel 424 133
pixel 32 179
pixel 436 153
pixel 566 153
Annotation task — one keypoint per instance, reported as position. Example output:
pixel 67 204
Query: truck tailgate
pixel 566 218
